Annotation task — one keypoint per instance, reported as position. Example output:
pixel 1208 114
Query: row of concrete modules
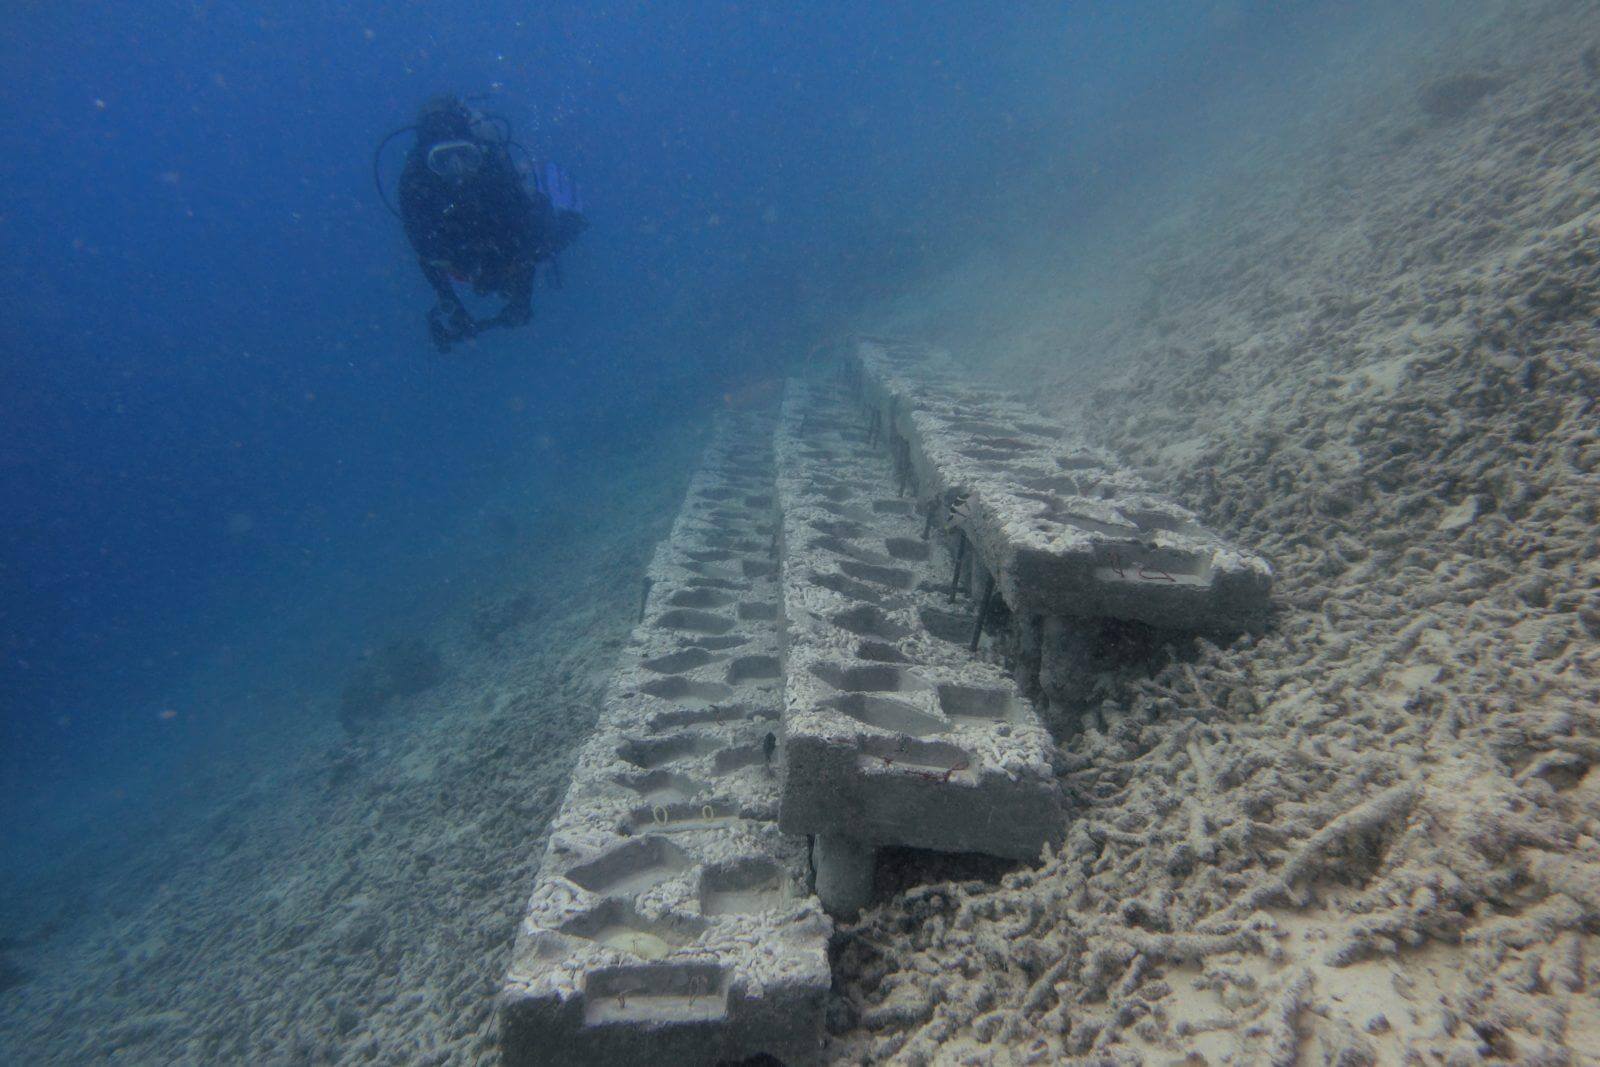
pixel 671 921
pixel 805 687
pixel 896 733
pixel 1055 528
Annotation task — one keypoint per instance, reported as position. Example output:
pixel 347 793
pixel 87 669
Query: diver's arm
pixel 448 320
pixel 519 300
pixel 440 280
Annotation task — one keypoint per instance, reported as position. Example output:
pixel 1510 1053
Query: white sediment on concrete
pixel 1061 526
pixel 896 733
pixel 671 922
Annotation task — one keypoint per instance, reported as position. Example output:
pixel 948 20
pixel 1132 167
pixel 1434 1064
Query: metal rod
pixel 961 553
pixel 983 612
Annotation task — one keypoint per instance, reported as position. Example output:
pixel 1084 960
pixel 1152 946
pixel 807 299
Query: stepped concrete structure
pixel 672 922
pixel 816 675
pixel 1063 528
pixel 1055 528
pixel 896 733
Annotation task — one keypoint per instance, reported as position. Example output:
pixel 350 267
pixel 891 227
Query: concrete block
pixel 896 733
pixel 672 922
pixel 1065 529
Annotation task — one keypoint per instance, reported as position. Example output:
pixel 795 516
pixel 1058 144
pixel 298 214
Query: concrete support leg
pixel 1065 646
pixel 844 874
pixel 1029 657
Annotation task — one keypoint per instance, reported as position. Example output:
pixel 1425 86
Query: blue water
pixel 226 436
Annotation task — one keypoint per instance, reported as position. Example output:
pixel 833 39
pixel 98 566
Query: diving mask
pixel 455 160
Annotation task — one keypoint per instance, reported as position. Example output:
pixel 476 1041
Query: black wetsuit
pixel 486 230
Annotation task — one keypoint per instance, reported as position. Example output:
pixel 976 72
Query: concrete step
pixel 1063 528
pixel 1061 533
pixel 896 733
pixel 671 921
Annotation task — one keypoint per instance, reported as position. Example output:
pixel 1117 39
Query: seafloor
pixel 1371 352
pixel 1367 346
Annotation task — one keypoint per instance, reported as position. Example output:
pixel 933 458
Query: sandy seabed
pixel 1366 347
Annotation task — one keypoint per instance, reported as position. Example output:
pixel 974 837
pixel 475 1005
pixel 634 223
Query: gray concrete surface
pixel 1063 528
pixel 896 733
pixel 672 922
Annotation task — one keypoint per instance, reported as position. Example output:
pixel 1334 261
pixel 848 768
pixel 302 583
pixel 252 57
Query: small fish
pixel 769 745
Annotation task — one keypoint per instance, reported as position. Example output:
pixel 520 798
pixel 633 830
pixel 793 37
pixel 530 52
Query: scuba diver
pixel 471 218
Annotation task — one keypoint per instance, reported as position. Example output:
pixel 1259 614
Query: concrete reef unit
pixel 672 922
pixel 896 733
pixel 1055 527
